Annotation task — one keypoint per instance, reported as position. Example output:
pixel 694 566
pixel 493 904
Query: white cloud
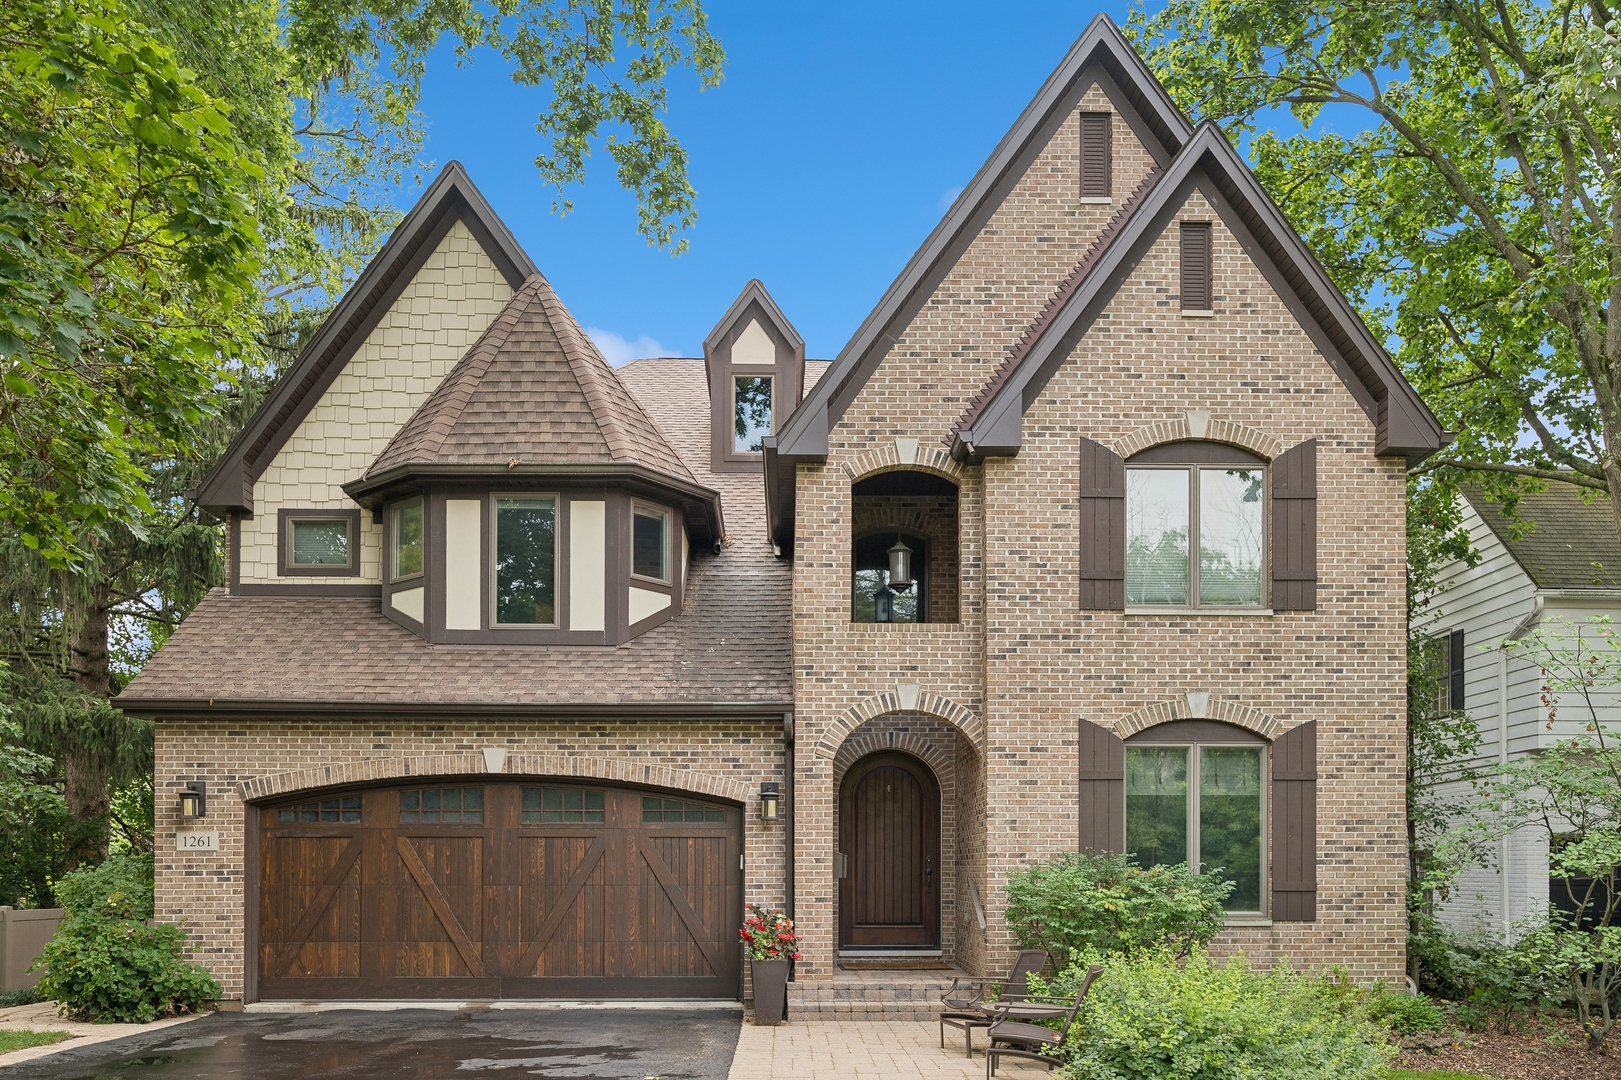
pixel 617 349
pixel 949 197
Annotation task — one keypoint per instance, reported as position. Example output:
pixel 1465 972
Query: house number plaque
pixel 197 841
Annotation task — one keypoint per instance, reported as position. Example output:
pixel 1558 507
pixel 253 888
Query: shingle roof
pixel 1565 542
pixel 533 389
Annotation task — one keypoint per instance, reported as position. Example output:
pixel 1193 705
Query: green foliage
pixel 1149 1017
pixel 34 823
pixel 28 995
pixel 1457 176
pixel 1083 903
pixel 1407 1014
pixel 106 963
pixel 17 1040
pixel 128 265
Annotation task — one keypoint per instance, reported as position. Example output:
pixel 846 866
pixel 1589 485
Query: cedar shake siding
pixel 1032 362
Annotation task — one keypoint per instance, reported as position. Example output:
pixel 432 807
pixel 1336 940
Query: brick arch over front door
pixel 489 886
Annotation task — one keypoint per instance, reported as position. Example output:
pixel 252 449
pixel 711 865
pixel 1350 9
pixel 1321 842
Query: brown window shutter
pixel 1294 529
pixel 1096 155
pixel 1455 670
pixel 1103 790
pixel 1196 266
pixel 1103 528
pixel 1294 825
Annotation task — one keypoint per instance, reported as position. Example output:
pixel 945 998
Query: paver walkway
pixel 43 1017
pixel 863 1050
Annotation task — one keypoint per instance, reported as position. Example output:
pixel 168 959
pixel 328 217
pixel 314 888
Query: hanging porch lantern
pixel 883 604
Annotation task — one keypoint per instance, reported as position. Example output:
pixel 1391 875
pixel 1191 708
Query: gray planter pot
pixel 770 990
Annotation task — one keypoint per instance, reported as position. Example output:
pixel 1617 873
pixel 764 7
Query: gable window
pixel 1195 534
pixel 650 543
pixel 526 561
pixel 319 542
pixel 751 412
pixel 1096 153
pixel 1200 800
pixel 405 530
pixel 1196 284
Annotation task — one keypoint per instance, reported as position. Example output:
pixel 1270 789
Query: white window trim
pixel 1193 607
pixel 651 510
pixel 1234 918
pixel 557 559
pixel 393 547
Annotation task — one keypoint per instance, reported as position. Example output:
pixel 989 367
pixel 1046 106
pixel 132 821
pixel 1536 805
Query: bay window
pixel 525 563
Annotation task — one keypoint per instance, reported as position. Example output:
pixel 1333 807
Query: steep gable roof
pixel 1564 541
pixel 533 389
pixel 1101 55
pixel 1209 163
pixel 450 198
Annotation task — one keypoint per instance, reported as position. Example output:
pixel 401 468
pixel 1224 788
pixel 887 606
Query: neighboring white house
pixel 1556 563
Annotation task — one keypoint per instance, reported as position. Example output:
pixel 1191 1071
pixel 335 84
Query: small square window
pixel 443 805
pixel 318 543
pixel 343 809
pixel 650 544
pixel 751 412
pixel 407 539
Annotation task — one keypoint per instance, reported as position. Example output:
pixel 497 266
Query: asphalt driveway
pixel 415 1044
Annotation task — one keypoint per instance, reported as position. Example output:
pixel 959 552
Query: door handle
pixel 928 877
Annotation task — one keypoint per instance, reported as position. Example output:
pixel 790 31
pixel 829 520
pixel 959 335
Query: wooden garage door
pixel 529 889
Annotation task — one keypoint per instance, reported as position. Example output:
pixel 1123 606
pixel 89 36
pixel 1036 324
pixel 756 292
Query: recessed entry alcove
pixel 903 548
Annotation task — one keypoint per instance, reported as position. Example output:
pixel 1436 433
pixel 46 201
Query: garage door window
pixel 344 809
pixel 563 804
pixel 456 805
pixel 676 810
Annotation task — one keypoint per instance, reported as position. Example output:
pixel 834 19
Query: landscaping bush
pixel 105 963
pixel 1080 903
pixel 1407 1014
pixel 1150 1017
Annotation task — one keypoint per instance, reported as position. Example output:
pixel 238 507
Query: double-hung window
pixel 1195 531
pixel 1200 800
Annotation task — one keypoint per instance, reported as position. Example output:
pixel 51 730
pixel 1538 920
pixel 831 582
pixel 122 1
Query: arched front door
pixel 889 832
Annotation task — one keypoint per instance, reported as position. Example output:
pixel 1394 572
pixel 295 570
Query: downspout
pixel 788 802
pixel 1519 631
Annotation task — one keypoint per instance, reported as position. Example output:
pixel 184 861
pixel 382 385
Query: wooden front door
pixel 889 831
pixel 513 889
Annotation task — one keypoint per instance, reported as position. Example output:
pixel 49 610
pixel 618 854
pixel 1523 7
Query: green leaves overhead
pixel 128 264
pixel 1457 177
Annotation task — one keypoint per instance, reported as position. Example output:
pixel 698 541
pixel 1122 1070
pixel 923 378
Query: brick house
pixel 1091 536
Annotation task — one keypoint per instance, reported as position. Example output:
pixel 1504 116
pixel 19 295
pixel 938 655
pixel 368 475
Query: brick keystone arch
pixel 861 744
pixel 620 770
pixel 960 717
pixel 1163 712
pixel 1215 430
pixel 888 457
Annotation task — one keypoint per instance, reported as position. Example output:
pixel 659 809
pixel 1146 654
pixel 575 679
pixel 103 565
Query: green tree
pixel 1457 177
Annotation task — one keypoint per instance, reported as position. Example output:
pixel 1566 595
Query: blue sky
pixel 838 138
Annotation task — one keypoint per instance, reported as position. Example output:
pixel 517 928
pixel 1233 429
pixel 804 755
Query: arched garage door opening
pixel 460 888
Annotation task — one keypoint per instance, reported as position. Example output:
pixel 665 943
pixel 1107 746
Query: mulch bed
pixel 1536 1054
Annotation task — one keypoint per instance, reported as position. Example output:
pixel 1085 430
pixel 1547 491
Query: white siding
pixel 450 301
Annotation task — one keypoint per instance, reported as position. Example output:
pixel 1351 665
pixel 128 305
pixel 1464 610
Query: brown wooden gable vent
pixel 1096 155
pixel 1196 266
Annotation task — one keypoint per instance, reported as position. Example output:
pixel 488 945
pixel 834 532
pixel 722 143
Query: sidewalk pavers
pixel 862 1050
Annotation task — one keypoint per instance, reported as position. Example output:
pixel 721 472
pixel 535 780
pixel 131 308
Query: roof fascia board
pixel 166 708
pixel 451 197
pixel 804 435
pixel 1207 157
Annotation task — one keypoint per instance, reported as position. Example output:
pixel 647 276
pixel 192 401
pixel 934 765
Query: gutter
pixel 181 708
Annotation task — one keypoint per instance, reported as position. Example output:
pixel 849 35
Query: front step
pixel 870 995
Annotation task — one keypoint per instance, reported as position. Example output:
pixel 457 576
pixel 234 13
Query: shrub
pixel 1149 1017
pixel 1407 1014
pixel 105 963
pixel 1078 903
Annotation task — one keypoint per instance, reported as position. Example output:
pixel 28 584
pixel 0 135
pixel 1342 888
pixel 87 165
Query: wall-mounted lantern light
pixel 194 799
pixel 770 801
pixel 900 566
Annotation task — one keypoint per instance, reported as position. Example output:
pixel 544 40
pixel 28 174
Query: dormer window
pixel 526 561
pixel 751 412
pixel 650 543
pixel 406 540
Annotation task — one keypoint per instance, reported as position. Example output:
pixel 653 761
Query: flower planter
pixel 770 990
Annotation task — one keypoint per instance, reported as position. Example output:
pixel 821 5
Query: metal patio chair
pixel 1018 1039
pixel 964 1002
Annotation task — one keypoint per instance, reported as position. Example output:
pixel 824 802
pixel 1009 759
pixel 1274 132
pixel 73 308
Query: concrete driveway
pixel 616 1043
